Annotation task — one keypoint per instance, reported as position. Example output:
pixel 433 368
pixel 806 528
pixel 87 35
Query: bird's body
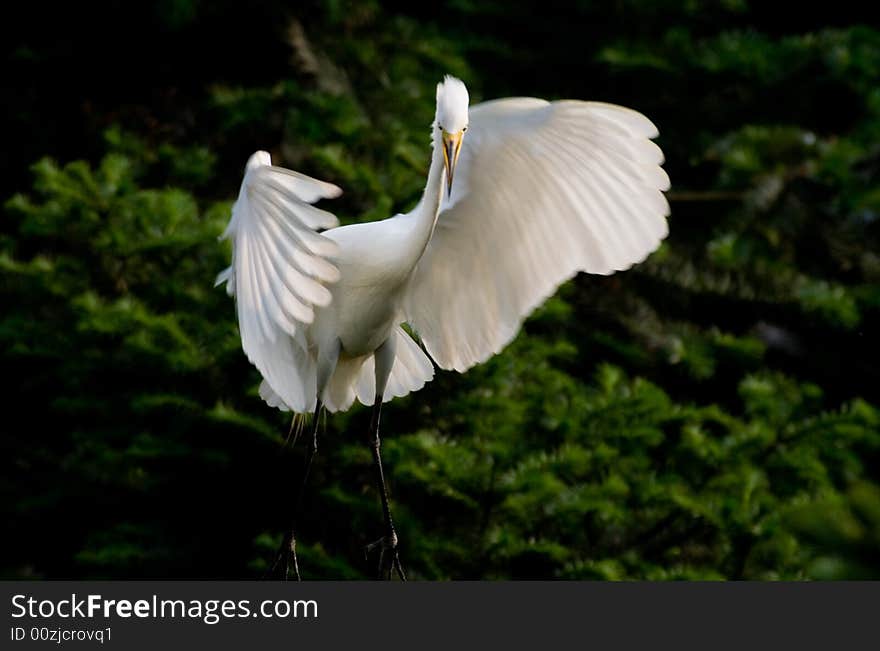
pixel 365 313
pixel 535 193
pixel 366 304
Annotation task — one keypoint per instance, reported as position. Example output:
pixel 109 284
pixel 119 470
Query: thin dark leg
pixel 388 556
pixel 287 551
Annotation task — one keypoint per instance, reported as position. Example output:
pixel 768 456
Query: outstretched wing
pixel 279 270
pixel 542 190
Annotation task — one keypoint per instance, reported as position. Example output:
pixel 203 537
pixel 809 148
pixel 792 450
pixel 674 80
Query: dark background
pixel 711 413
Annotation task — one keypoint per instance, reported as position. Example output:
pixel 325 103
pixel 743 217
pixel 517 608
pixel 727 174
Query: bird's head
pixel 451 122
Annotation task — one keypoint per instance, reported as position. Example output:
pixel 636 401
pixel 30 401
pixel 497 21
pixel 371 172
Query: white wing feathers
pixel 542 191
pixel 279 272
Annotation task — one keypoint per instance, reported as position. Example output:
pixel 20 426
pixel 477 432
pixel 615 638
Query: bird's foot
pixel 389 558
pixel 285 560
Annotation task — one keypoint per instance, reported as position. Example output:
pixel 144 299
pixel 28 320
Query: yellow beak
pixel 451 150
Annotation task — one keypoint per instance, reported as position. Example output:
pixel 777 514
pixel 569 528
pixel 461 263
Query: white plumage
pixel 539 191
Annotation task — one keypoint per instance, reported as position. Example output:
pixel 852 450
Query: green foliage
pixel 614 480
pixel 710 414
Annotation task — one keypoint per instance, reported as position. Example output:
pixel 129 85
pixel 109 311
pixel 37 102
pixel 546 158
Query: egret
pixel 522 194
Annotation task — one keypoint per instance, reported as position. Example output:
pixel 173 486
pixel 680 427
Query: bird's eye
pixel 463 130
pixel 440 126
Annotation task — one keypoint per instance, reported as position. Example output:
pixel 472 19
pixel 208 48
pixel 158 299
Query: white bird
pixel 522 194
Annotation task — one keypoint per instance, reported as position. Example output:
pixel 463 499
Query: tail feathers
pixel 355 378
pixel 412 369
pixel 340 392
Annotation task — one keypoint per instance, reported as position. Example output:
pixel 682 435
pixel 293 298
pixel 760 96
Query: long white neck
pixel 428 209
